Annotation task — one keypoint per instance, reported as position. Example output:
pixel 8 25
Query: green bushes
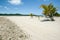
pixel 57 14
pixel 31 14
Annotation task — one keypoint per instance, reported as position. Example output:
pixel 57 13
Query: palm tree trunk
pixel 52 19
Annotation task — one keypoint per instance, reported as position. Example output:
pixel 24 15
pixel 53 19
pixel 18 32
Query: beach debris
pixel 10 31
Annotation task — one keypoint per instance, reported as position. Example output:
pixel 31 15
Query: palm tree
pixel 45 11
pixel 49 11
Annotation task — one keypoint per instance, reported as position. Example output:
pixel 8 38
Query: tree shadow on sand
pixel 45 20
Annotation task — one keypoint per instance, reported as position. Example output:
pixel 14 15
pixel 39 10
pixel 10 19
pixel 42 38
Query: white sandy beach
pixel 48 30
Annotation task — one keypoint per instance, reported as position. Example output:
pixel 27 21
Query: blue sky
pixel 26 6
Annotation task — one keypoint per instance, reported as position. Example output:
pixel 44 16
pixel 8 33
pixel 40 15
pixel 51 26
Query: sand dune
pixel 36 29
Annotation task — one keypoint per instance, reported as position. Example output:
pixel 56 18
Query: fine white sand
pixel 38 30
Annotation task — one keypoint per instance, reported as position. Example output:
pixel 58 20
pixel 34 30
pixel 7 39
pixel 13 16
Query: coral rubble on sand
pixel 10 31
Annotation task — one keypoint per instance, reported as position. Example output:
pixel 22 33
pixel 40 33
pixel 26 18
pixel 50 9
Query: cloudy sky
pixel 25 6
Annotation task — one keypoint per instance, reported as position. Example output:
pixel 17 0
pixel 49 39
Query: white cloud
pixel 15 2
pixel 0 6
pixel 6 7
pixel 46 0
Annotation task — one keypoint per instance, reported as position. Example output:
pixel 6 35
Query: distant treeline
pixel 16 14
pixel 57 14
pixel 10 14
pixel 31 14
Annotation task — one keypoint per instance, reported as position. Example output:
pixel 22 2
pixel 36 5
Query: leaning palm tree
pixel 49 11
